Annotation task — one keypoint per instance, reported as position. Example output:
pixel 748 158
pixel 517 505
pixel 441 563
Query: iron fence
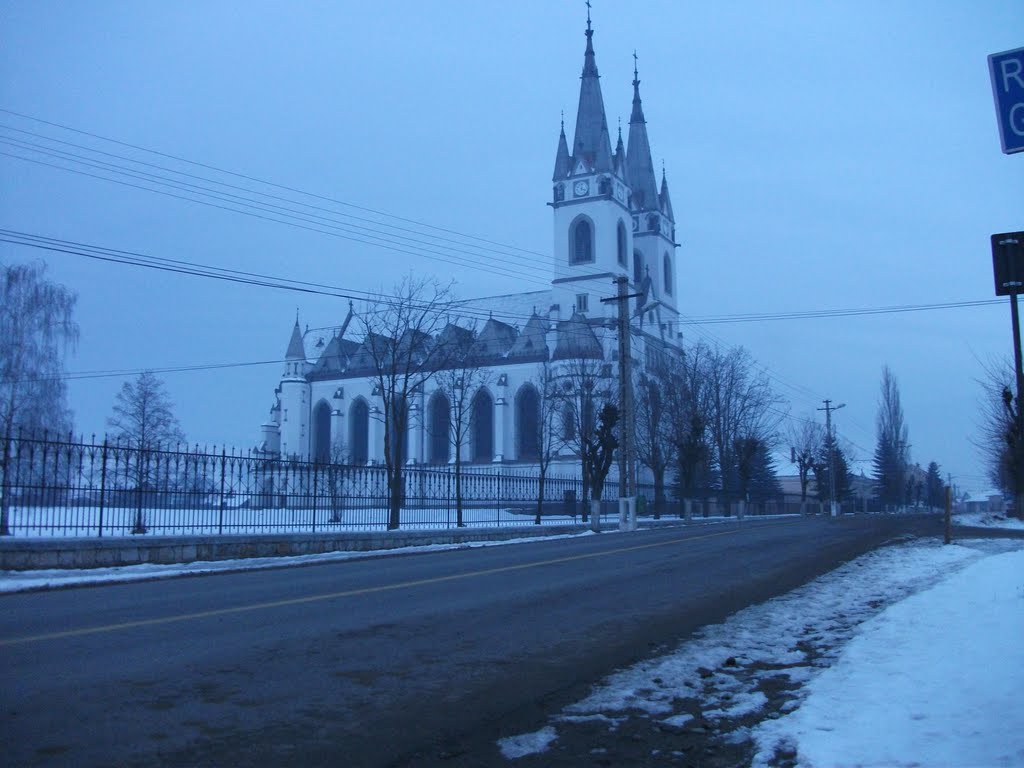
pixel 74 487
pixel 52 486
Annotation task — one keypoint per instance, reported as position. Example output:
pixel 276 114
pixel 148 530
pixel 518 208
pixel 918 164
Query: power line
pixel 267 183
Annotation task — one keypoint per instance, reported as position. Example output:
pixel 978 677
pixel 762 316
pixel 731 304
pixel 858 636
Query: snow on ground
pixel 732 680
pixel 20 581
pixel 988 520
pixel 527 743
pixel 934 680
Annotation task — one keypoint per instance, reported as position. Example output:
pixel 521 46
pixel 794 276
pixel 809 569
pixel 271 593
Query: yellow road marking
pixel 348 593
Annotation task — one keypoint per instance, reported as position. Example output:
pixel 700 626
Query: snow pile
pixel 934 680
pixel 527 743
pixel 791 635
pixel 988 520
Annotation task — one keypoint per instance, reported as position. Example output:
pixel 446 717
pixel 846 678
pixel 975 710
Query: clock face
pixel 620 192
pixel 581 188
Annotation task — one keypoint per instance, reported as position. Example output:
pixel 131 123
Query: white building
pixel 610 219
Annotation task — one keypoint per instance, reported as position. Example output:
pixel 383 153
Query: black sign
pixel 1008 262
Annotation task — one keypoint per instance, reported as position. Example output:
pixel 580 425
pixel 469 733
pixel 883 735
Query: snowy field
pixel 909 656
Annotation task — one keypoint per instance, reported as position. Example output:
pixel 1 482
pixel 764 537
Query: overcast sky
pixel 820 155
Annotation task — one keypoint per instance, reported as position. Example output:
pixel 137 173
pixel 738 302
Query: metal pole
pixel 1018 372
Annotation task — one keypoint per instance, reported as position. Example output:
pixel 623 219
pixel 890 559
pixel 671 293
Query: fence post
pixel 312 490
pixel 103 483
pixel 5 529
pixel 223 466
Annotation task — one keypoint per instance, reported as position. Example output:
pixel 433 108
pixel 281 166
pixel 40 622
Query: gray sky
pixel 820 155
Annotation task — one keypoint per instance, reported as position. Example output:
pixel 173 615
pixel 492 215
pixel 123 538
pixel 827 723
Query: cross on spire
pixel 588 14
pixel 635 71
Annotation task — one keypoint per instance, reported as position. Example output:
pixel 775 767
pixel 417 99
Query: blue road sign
pixel 1007 70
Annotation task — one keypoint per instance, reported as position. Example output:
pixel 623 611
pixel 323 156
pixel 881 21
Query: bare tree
pixel 598 452
pixel 654 430
pixel 143 420
pixel 550 436
pixel 740 406
pixel 459 381
pixel 892 447
pixel 805 439
pixel 587 386
pixel 399 333
pixel 36 331
pixel 687 410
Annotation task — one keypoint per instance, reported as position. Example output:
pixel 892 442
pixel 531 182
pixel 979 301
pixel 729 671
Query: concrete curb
pixel 35 554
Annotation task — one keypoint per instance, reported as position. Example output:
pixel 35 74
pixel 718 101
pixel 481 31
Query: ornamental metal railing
pixel 53 486
pixel 63 486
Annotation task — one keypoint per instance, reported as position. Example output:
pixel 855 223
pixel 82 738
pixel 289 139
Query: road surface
pixel 418 659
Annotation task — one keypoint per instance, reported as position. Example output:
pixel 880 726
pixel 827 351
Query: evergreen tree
pixel 935 492
pixel 892 446
pixel 822 471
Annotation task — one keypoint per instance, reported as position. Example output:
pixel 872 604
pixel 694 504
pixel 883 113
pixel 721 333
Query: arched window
pixel 322 432
pixel 481 427
pixel 439 422
pixel 621 243
pixel 581 247
pixel 568 424
pixel 638 267
pixel 528 436
pixel 668 273
pixel 359 431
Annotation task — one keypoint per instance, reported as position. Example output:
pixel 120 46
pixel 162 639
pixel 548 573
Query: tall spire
pixel 563 163
pixel 666 201
pixel 591 141
pixel 639 166
pixel 296 351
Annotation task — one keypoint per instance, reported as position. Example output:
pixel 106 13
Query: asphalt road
pixel 418 659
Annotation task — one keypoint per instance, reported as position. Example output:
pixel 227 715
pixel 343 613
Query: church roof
pixel 591 144
pixel 494 341
pixel 576 339
pixel 531 346
pixel 639 166
pixel 296 350
pixel 335 357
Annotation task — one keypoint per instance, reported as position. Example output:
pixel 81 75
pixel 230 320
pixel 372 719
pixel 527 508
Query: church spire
pixel 296 351
pixel 639 166
pixel 591 144
pixel 563 163
pixel 666 201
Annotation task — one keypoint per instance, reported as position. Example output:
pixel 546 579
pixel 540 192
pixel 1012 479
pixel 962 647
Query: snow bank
pixel 934 680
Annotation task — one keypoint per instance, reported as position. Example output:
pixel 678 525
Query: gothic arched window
pixel 439 422
pixel 528 436
pixel 581 244
pixel 481 423
pixel 638 267
pixel 359 431
pixel 322 432
pixel 668 273
pixel 621 243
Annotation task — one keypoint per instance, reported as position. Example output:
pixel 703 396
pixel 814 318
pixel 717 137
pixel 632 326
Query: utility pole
pixel 831 453
pixel 627 481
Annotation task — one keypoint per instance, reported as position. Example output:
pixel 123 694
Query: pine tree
pixel 892 446
pixel 935 491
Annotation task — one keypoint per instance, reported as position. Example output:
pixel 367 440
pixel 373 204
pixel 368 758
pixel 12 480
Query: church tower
pixel 294 398
pixel 593 237
pixel 653 224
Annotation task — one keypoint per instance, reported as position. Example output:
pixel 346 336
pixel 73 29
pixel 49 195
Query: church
pixel 611 219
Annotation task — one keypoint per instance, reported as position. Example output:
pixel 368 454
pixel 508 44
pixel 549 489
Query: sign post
pixel 1007 72
pixel 1008 269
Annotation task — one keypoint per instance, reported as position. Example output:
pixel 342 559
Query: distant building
pixel 611 218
